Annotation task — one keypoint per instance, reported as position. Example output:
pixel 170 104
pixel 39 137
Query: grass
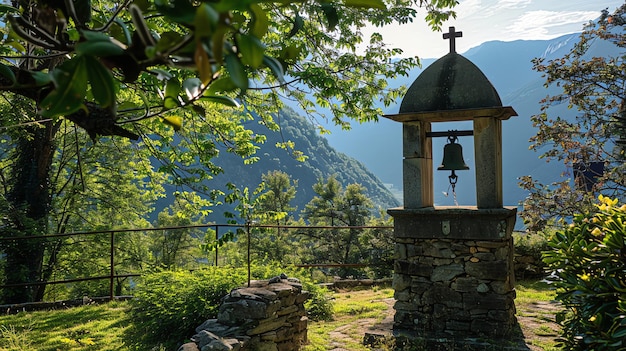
pixel 101 327
pixel 535 311
pixel 533 291
pixel 353 311
pixel 93 327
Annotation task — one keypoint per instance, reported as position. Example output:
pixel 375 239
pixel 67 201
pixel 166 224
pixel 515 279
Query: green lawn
pixel 92 327
pixel 101 327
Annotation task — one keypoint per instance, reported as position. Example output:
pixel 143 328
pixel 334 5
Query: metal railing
pixel 112 276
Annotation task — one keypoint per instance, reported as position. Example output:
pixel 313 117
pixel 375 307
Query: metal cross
pixel 452 34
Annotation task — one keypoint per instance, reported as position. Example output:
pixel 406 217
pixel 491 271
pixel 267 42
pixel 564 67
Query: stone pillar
pixel 488 156
pixel 417 165
pixel 453 274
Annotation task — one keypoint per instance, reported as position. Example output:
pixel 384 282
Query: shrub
pixel 320 306
pixel 589 260
pixel 528 251
pixel 168 306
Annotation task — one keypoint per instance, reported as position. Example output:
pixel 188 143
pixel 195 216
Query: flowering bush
pixel 589 259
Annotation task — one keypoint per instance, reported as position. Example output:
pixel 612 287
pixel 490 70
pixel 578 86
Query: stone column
pixel 417 165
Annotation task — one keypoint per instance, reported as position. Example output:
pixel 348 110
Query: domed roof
pixel 450 83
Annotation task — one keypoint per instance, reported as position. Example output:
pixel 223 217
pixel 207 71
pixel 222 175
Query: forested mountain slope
pixel 322 162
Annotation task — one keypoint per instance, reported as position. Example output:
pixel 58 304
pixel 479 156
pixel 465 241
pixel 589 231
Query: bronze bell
pixel 452 156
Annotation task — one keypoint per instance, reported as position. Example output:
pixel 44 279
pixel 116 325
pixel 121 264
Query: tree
pixel 177 247
pixel 275 195
pixel 591 144
pixel 335 206
pixel 132 69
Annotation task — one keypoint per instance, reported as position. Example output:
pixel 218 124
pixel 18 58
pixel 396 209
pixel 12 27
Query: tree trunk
pixel 29 200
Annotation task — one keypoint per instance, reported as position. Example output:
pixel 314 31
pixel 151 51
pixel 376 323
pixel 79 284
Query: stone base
pixel 453 272
pixel 405 340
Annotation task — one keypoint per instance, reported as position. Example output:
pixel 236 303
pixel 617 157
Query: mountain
pixel 323 161
pixel 508 65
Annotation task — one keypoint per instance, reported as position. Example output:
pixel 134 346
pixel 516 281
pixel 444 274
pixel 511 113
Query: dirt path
pixel 536 321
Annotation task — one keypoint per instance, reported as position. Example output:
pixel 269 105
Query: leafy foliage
pixel 146 69
pixel 168 306
pixel 333 206
pixel 592 144
pixel 589 260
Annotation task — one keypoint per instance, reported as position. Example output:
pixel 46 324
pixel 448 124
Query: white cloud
pixel 543 24
pixel 485 20
pixel 513 4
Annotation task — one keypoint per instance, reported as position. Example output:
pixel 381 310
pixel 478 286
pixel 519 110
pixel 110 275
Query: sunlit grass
pixel 348 308
pixel 101 327
pixel 533 291
pixel 94 327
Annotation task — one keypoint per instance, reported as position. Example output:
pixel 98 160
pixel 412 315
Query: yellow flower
pixel 592 319
pixel 585 277
pixel 596 232
pixel 623 208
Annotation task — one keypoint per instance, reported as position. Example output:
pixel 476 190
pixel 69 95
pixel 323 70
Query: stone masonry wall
pixel 453 272
pixel 454 287
pixel 267 316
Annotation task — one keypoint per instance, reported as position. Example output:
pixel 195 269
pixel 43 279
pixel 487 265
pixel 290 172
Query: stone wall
pixel 268 315
pixel 453 274
pixel 453 288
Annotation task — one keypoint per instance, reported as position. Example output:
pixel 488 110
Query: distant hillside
pixel 323 161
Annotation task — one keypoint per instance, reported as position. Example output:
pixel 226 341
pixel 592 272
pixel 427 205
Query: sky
pixel 504 20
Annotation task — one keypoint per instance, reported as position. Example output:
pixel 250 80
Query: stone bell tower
pixel 453 273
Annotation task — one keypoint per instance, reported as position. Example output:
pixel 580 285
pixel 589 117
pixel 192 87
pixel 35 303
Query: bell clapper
pixel 453 178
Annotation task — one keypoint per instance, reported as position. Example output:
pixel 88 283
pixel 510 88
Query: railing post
pixel 217 238
pixel 112 276
pixel 248 222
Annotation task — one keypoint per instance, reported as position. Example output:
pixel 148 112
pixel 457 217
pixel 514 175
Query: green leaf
pixel 4 9
pixel 172 89
pixel 298 24
pixel 259 24
pixel 219 99
pixel 41 78
pixel 276 67
pixel 6 72
pixel 167 40
pixel 205 20
pixel 16 45
pixel 98 44
pixel 237 71
pixel 180 11
pixel 174 121
pixel 377 4
pixel 331 15
pixel 70 80
pixel 102 84
pixel 222 84
pixel 121 26
pixel 82 10
pixel 251 49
